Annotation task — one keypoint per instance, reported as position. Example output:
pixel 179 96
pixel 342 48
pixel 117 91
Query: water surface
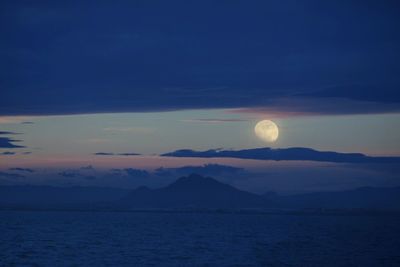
pixel 54 238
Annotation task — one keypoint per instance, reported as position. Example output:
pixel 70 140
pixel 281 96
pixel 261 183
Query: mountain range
pixel 190 193
pixel 193 191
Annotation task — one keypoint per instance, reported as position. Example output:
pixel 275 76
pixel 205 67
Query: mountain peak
pixel 195 191
pixel 194 177
pixel 195 180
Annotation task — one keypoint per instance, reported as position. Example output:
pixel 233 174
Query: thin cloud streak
pixel 132 130
pixel 214 120
pixel 116 154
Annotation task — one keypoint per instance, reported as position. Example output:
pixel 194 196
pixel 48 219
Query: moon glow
pixel 267 130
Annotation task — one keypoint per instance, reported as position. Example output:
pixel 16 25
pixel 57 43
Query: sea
pixel 78 238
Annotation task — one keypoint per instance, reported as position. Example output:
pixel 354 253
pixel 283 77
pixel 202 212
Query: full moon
pixel 267 130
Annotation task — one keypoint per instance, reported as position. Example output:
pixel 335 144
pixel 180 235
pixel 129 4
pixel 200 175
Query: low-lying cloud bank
pixel 295 153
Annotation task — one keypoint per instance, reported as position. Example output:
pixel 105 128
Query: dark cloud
pixel 128 154
pixel 7 153
pixel 115 154
pixel 104 154
pixel 6 142
pixel 215 120
pixel 22 170
pixel 278 154
pixel 56 58
pixel 27 122
pixel 7 133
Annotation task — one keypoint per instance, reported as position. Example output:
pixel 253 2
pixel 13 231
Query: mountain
pixel 193 191
pixel 196 191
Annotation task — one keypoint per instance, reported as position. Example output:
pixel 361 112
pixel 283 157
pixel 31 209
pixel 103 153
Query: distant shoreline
pixel 310 212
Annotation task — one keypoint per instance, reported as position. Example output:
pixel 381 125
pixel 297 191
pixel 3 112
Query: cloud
pixel 104 154
pixel 115 154
pixel 131 130
pixel 7 153
pixel 297 153
pixel 7 133
pixel 6 142
pixel 22 170
pixel 214 120
pixel 206 62
pixel 302 106
pixel 27 122
pixel 12 119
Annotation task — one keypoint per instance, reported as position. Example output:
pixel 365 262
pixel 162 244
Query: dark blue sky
pixel 68 57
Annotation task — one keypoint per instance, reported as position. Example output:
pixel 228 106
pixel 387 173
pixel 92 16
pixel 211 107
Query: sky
pixel 95 93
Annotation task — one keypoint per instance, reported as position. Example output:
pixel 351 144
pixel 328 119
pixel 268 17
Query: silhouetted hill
pixel 193 191
pixel 196 191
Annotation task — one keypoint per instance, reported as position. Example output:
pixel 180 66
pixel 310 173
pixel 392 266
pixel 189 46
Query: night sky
pixel 94 93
